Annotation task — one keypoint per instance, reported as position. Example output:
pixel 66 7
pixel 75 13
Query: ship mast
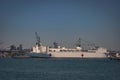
pixel 78 44
pixel 38 40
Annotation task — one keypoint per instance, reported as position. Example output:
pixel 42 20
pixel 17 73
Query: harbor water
pixel 59 69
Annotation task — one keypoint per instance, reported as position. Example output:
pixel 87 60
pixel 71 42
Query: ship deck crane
pixel 38 39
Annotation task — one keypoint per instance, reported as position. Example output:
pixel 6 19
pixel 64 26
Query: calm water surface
pixel 59 69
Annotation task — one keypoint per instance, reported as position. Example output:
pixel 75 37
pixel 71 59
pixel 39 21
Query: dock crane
pixel 38 39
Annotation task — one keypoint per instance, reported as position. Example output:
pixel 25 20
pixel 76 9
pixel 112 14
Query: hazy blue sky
pixel 63 21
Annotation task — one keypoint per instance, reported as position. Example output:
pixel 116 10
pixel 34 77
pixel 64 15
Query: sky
pixel 63 21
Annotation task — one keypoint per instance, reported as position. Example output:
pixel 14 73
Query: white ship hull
pixel 68 55
pixel 77 55
pixel 39 55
